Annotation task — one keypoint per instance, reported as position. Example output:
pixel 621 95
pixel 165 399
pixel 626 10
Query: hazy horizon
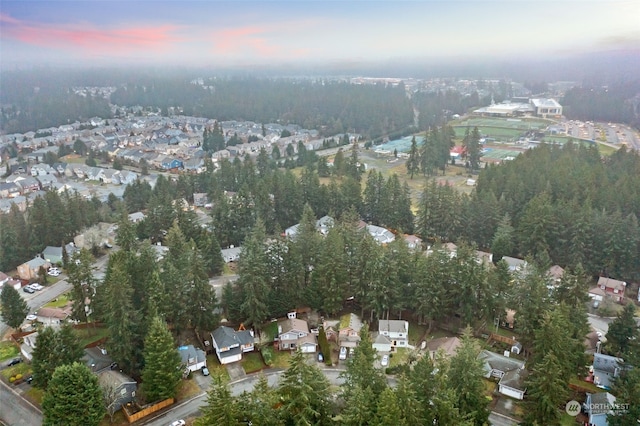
pixel 343 34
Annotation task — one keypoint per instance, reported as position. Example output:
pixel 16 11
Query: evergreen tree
pixel 547 390
pixel 54 349
pixel 623 332
pixel 305 395
pixel 14 308
pixel 161 374
pixel 221 408
pixel 73 397
pixel 259 406
pixel 80 276
pixel 413 162
pixel 466 379
pixel 252 280
pixel 502 243
pixel 360 372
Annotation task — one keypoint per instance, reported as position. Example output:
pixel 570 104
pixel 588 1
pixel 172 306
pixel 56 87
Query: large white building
pixel 546 107
pixel 539 107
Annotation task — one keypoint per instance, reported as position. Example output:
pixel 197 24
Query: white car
pixel 54 272
pixel 37 287
pixel 178 423
pixel 385 360
pixel 343 353
pixel 31 317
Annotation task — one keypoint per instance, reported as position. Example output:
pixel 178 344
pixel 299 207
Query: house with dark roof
pixel 510 372
pixel 598 406
pixel 230 344
pixel 192 358
pixel 54 254
pixel 121 387
pixel 98 360
pixel 606 369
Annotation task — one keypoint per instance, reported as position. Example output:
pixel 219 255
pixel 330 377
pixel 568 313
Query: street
pixel 17 411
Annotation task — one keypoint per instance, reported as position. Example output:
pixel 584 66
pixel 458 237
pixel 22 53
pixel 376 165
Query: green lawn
pixel 8 350
pixel 187 389
pixel 91 334
pixel 252 362
pixel 215 367
pixel 59 302
pixel 416 333
pixel 270 332
pixel 593 388
pixel 22 368
pixel 281 359
pixel 34 395
pixel 567 420
pixel 399 357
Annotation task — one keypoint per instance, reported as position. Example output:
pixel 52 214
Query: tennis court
pixel 509 123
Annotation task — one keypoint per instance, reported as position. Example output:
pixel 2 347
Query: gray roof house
pixel 597 406
pixel 98 360
pixel 54 254
pixel 192 358
pixel 230 344
pixel 231 254
pixel 510 371
pixel 605 369
pixel 122 388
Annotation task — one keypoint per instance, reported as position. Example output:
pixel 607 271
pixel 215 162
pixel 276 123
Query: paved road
pixel 499 420
pixel 191 408
pixel 15 410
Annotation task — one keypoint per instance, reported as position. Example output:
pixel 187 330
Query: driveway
pixel 235 371
pixel 17 411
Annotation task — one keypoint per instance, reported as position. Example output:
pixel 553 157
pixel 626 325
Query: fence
pixel 133 417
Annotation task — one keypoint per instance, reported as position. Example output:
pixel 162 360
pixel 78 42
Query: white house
pixel 293 334
pixel 192 358
pixel 230 344
pixel 397 331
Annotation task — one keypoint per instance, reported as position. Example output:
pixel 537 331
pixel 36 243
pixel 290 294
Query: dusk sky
pixel 220 33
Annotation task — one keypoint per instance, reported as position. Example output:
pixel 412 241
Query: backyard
pixel 8 350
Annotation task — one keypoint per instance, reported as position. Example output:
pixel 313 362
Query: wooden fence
pixel 503 339
pixel 147 410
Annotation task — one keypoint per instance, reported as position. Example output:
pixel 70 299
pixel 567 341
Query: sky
pixel 272 32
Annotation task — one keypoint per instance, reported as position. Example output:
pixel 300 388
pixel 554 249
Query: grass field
pixel 8 350
pixel 59 302
pixel 252 362
pixel 91 334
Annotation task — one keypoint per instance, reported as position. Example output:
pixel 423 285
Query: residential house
pixel 28 345
pixel 29 270
pixel 413 242
pixel 605 369
pixel 231 254
pixel 29 184
pixel 349 332
pixel 555 274
pixel 510 373
pixel 230 344
pixel 380 235
pixel 331 329
pixel 98 360
pixel 4 278
pixel 380 342
pixel 47 181
pixel 194 165
pixel 53 255
pixel 515 264
pixel 136 217
pixel 122 387
pixel 9 189
pixel 293 334
pixel 396 330
pixel 200 199
pixel 483 257
pixel 597 407
pixel 192 358
pixel 53 316
pixel 448 346
pixel 608 287
pixel 127 177
pixel 171 163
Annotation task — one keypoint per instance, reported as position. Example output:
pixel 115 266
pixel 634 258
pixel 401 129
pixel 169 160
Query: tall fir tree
pixel 161 374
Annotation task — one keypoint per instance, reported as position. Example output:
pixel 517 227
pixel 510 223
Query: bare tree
pixel 110 396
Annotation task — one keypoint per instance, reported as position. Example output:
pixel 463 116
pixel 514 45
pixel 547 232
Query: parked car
pixel 205 371
pixel 28 289
pixel 385 360
pixel 343 353
pixel 31 317
pixel 178 423
pixel 29 379
pixel 54 272
pixel 14 362
pixel 37 287
pixel 320 357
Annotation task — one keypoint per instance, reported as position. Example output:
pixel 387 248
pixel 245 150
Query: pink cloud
pixel 88 37
pixel 259 40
